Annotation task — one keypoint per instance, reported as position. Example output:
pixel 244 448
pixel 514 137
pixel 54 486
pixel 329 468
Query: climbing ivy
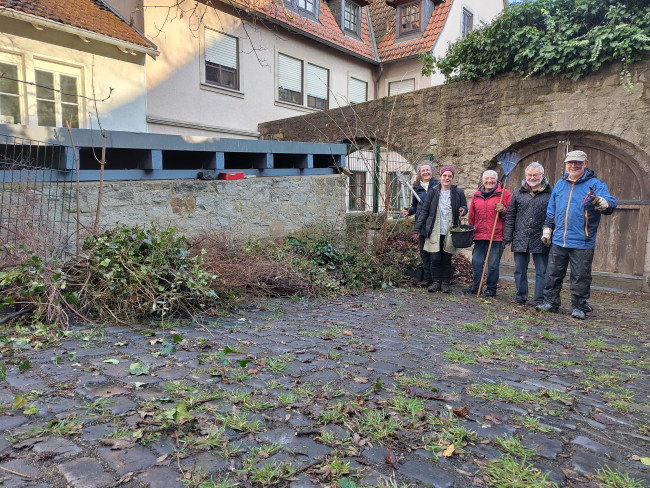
pixel 568 38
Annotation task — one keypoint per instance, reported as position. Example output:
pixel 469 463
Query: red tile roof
pixel 384 24
pixel 325 29
pixel 90 15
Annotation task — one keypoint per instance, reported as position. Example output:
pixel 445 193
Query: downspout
pixel 373 42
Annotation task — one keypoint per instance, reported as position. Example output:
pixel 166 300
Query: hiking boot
pixel 444 287
pixel 578 314
pixel 586 308
pixel 520 301
pixel 424 283
pixel 469 290
pixel 546 307
pixel 435 286
pixel 490 293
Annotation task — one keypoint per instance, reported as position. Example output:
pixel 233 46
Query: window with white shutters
pixel 317 86
pixel 289 79
pixel 221 59
pixel 402 86
pixel 357 91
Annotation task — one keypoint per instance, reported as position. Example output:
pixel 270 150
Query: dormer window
pixel 351 17
pixel 303 6
pixel 409 16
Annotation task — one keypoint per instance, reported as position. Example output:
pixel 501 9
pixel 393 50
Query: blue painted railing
pixel 140 156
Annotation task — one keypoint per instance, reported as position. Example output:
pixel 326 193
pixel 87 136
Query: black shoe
pixel 424 283
pixel 490 293
pixel 546 307
pixel 586 308
pixel 435 286
pixel 578 314
pixel 469 290
pixel 444 287
pixel 520 301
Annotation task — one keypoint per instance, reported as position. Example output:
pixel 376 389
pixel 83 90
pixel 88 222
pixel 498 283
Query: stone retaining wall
pixel 257 207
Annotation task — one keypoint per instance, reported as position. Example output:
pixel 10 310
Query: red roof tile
pixel 325 29
pixel 384 23
pixel 90 15
pixel 383 26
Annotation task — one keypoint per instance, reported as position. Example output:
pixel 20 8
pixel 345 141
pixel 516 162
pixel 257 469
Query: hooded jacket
pixel 525 219
pixel 572 215
pixel 482 212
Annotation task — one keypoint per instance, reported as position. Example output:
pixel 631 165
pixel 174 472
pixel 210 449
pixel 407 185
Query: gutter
pixel 86 35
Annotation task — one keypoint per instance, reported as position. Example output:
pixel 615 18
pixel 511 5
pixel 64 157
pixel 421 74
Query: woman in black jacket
pixel 441 210
pixel 423 182
pixel 523 228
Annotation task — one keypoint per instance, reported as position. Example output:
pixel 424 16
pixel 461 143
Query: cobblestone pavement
pixel 396 388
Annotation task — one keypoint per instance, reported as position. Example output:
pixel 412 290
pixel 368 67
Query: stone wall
pixel 270 207
pixel 468 124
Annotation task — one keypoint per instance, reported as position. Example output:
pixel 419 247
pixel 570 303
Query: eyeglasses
pixel 535 175
pixel 574 163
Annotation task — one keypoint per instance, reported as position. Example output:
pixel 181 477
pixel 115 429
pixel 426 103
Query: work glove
pixel 547 233
pixel 500 207
pixel 599 203
pixel 506 243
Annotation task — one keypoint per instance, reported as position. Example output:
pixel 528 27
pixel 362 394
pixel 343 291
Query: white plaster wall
pixel 403 70
pixel 125 107
pixel 484 10
pixel 177 96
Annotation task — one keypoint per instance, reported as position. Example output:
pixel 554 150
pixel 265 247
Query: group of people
pixel 556 225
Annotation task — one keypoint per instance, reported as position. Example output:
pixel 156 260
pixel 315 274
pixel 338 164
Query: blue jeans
pixel 478 260
pixel 521 275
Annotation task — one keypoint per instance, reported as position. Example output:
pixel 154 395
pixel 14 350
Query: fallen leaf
pixel 348 333
pixel 119 443
pixel 461 412
pixel 361 379
pixel 645 461
pixel 603 419
pixel 495 418
pixel 449 451
pixel 390 457
pixel 111 361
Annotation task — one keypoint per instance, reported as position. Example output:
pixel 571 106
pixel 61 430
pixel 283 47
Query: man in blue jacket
pixel 572 218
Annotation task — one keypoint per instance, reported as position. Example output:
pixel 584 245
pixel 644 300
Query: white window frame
pixel 350 88
pixel 59 69
pixel 401 86
pixel 224 61
pixel 18 61
pixel 469 11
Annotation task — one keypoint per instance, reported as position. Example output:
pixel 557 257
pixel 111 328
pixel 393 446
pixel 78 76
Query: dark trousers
pixel 426 260
pixel 441 263
pixel 478 260
pixel 521 275
pixel 580 281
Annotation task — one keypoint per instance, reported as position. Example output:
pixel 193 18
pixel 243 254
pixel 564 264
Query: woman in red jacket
pixel 486 205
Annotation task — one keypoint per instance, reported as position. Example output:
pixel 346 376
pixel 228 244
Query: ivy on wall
pixel 568 38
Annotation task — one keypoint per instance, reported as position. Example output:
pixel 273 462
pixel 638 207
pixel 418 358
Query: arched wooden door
pixel 622 236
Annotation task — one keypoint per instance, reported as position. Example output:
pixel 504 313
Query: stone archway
pixel 622 241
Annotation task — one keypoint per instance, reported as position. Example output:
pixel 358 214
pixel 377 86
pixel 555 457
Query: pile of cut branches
pixel 242 270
